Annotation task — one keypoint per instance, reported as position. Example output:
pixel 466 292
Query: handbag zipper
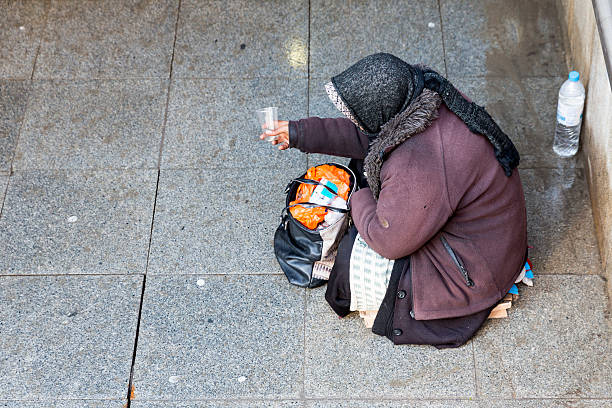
pixel 469 282
pixel 348 202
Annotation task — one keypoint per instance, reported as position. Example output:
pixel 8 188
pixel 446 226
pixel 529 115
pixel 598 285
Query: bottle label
pixel 569 115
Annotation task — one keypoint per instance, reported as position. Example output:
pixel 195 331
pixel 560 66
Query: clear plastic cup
pixel 268 120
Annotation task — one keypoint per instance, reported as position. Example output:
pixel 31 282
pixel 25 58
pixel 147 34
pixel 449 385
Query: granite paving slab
pixel 210 222
pixel 21 25
pixel 341 33
pixel 343 359
pixel 545 403
pixel 67 337
pixel 215 337
pixel 560 222
pixel 64 404
pixel 59 222
pixel 107 39
pixel 392 403
pixel 501 38
pixel 555 343
pixel 525 110
pixel 13 104
pixel 93 124
pixel 212 123
pixel 217 404
pixel 245 39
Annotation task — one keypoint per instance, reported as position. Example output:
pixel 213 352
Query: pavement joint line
pixel 164 125
pixel 152 221
pixel 8 180
pixel 30 275
pixel 161 146
pixel 42 34
pixel 442 35
pixel 131 377
pixel 476 383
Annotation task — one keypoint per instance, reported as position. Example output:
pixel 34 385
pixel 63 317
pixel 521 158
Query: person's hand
pixel 281 133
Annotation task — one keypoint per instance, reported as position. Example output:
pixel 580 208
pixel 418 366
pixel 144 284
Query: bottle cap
pixel 574 76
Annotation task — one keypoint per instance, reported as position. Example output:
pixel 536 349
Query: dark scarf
pixel 382 91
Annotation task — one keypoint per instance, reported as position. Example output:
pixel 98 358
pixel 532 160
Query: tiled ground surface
pixel 135 235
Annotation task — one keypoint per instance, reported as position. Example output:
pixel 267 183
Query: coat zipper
pixel 469 282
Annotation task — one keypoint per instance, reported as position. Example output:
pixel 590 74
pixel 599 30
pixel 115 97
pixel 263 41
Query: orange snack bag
pixel 311 217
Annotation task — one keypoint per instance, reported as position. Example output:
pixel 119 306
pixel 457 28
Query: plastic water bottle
pixel 569 116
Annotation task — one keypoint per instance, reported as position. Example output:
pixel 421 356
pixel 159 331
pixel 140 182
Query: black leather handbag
pixel 303 254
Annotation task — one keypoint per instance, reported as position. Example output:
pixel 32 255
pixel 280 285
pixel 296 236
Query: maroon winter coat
pixel 443 184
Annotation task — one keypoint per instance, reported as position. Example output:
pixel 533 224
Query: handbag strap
pixel 308 181
pixel 312 205
pixel 285 211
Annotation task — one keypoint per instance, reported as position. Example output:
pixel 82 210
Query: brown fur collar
pixel 415 119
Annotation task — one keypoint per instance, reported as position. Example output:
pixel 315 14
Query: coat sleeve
pixel 411 209
pixel 337 136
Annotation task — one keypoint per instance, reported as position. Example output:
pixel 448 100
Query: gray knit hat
pixel 375 89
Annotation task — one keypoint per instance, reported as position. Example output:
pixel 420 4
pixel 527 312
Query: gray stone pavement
pixel 136 263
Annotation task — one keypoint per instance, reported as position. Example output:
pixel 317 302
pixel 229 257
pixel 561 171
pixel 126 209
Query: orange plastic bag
pixel 311 217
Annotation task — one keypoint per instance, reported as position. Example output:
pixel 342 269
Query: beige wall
pixel 586 56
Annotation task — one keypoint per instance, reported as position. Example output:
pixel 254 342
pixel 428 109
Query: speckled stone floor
pixel 137 208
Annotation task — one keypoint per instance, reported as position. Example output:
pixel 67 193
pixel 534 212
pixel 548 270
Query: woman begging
pixel 440 219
